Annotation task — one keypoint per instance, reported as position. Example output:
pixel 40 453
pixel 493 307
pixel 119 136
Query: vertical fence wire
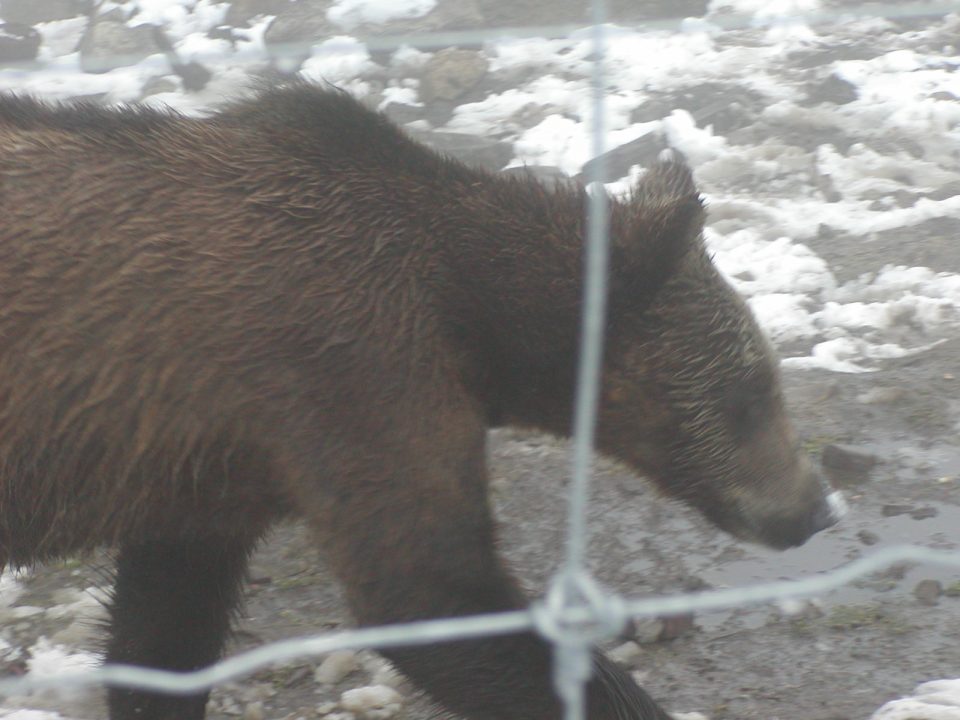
pixel 572 585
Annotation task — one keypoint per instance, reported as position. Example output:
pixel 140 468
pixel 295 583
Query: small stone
pixel 374 702
pixel 107 44
pixel 254 711
pixel 845 464
pixel 867 537
pixel 335 667
pixel 30 12
pixel 905 198
pixel 626 653
pixel 471 149
pixel 18 43
pixel 676 625
pixel 647 630
pixel 387 675
pixel 928 592
pixel 833 89
pixel 617 162
pixel 882 396
pixel 898 571
pixel 449 74
pixel 892 510
pixel 549 175
pixel 924 513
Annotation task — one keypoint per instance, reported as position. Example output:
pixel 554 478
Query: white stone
pixel 374 702
pixel 336 666
pixel 625 654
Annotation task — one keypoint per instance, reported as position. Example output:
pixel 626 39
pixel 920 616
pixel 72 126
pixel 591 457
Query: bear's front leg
pixel 409 531
pixel 171 610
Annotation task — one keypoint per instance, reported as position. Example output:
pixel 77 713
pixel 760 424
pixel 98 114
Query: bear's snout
pixel 787 531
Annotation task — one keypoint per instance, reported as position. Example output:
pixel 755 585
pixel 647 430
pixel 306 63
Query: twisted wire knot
pixel 578 611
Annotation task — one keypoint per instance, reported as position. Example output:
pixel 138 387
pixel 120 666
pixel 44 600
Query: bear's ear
pixel 664 221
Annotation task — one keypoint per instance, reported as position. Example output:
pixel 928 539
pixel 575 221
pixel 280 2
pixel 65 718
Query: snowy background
pixel 824 136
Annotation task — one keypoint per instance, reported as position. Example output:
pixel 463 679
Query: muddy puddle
pixel 912 497
pixel 833 549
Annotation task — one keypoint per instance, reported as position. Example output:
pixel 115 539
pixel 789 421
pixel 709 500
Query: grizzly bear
pixel 290 308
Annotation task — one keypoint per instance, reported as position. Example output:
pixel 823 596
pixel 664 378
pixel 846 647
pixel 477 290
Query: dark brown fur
pixel 291 308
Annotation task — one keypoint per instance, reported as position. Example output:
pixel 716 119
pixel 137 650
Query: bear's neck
pixel 513 255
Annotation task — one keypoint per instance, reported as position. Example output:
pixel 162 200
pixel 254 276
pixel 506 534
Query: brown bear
pixel 290 308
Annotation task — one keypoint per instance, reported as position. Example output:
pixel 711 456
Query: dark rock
pixel 633 10
pixel 157 85
pixel 829 192
pixel 904 198
pixel 944 95
pixel 726 107
pixel 897 571
pixel 618 161
pixel 845 465
pixel 895 510
pixel 18 43
pixel 230 34
pixel 241 12
pixel 833 89
pixel 928 592
pixel 30 12
pixel 549 175
pixel 924 513
pixel 193 75
pixel 868 538
pixel 945 191
pixel 695 583
pixel 290 36
pixel 647 631
pixel 656 108
pixel 109 44
pixel 401 113
pixel 451 73
pixel 460 15
pixel 675 626
pixel 473 150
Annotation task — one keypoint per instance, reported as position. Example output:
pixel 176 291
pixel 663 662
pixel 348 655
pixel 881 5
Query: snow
pixel 348 14
pixel 936 700
pixel 339 60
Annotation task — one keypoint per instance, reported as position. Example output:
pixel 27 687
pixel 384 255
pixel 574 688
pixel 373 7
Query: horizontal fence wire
pixel 574 600
pixel 432 631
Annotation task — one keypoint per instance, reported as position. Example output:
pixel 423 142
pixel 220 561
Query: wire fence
pixel 576 612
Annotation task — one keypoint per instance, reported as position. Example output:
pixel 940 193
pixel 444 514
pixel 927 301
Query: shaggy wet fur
pixel 290 308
